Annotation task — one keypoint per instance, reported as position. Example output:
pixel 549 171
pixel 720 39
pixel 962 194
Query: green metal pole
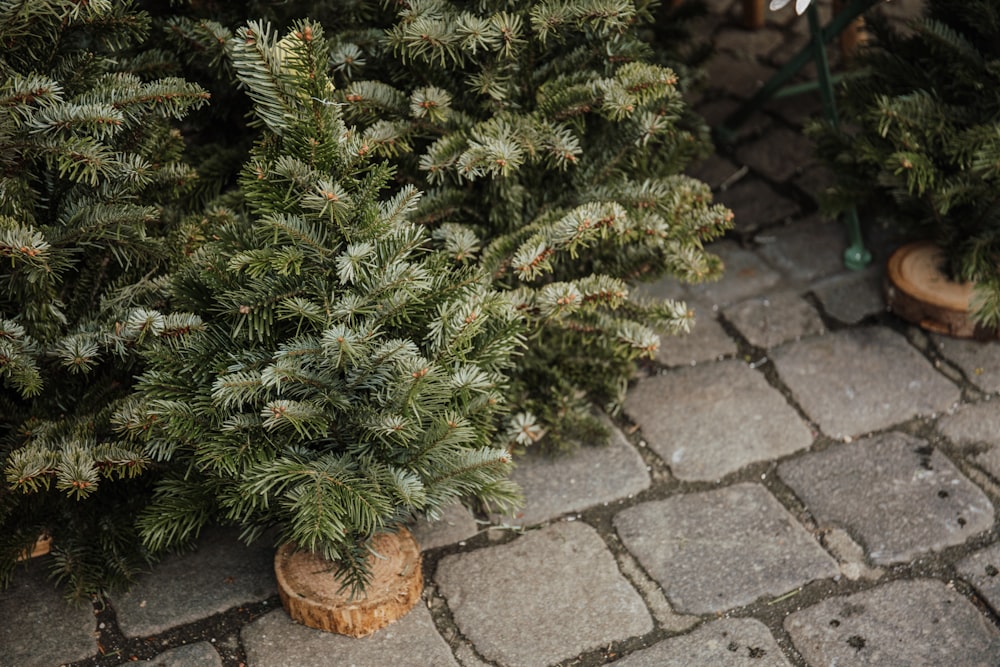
pixel 727 131
pixel 857 255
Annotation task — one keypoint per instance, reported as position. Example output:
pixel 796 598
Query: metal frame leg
pixel 856 256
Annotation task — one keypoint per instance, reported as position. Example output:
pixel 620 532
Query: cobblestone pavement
pixel 803 481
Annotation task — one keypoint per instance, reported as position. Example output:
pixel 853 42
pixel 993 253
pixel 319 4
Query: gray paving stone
pixel 39 628
pixel 989 461
pixel 851 297
pixel 590 475
pixel 194 655
pixel 805 251
pixel 973 424
pixel 716 111
pixel 547 596
pixel 745 275
pixel 798 110
pixel 707 341
pixel 919 623
pixel 755 204
pixel 721 549
pixel 980 361
pixel 713 170
pixel 789 46
pixel 729 642
pixel 713 419
pixel 859 380
pixel 976 426
pixel 666 287
pixel 894 492
pixel 275 640
pixel 456 524
pixel 783 153
pixel 744 43
pixel 815 179
pixel 739 76
pixel 768 321
pixel 222 573
pixel 982 570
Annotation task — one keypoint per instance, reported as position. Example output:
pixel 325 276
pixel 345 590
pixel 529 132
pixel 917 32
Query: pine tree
pixel 342 375
pixel 550 147
pixel 91 181
pixel 923 141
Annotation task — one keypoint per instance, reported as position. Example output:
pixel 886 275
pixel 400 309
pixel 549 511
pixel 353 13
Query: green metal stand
pixel 856 256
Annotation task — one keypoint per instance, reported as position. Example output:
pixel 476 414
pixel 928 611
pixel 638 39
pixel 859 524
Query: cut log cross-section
pixel 920 292
pixel 312 595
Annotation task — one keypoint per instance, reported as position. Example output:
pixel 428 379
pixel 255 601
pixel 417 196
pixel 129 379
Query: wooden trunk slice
pixel 311 593
pixel 42 546
pixel 920 292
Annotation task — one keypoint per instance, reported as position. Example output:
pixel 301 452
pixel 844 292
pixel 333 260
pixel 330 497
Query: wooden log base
pixel 311 593
pixel 43 545
pixel 918 291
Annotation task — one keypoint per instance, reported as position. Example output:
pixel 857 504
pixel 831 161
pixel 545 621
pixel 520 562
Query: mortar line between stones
pixel 215 626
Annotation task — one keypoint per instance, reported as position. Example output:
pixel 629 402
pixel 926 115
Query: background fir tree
pixel 342 376
pixel 91 174
pixel 550 147
pixel 922 144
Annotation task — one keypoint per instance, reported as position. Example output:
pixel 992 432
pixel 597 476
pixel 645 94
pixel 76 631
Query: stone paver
pixel 989 461
pixel 275 640
pixel 221 574
pixel 707 341
pixel 590 475
pixel 805 251
pixel 746 275
pixel 973 424
pixel 796 110
pixel 816 178
pixel 979 360
pixel 769 321
pixel 859 380
pixel 713 170
pixel 711 420
pixel 896 493
pixel 755 204
pixel 721 549
pixel 729 642
pixel 778 156
pixel 38 626
pixel 740 76
pixel 746 43
pixel 853 296
pixel 982 570
pixel 976 425
pixel 456 524
pixel 547 596
pixel 919 623
pixel 194 655
pixel 715 111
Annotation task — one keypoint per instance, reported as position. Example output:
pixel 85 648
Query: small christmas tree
pixel 92 183
pixel 922 146
pixel 550 149
pixel 342 375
